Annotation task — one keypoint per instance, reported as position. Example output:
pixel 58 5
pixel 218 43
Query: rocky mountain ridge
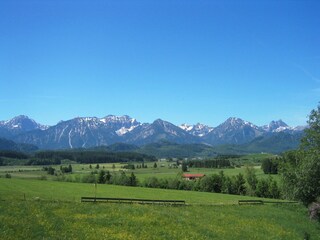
pixel 87 132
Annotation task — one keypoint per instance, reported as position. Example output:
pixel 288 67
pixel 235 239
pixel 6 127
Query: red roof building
pixel 190 176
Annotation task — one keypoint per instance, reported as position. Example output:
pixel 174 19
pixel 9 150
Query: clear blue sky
pixel 182 61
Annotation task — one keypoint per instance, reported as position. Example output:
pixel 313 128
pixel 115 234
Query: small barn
pixel 189 176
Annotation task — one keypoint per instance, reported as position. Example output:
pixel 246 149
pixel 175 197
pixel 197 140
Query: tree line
pixel 13 154
pixel 80 156
pixel 210 163
pixel 300 169
pixel 241 184
pixel 91 156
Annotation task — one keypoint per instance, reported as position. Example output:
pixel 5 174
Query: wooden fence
pixel 132 200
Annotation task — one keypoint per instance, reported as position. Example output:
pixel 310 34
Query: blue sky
pixel 182 61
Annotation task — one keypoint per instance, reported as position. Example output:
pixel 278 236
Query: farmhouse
pixel 190 176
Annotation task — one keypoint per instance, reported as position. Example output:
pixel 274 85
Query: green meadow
pixel 19 189
pixel 35 209
pixel 33 205
pixel 164 169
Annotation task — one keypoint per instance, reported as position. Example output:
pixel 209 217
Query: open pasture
pixel 52 211
pixel 11 189
pixel 164 169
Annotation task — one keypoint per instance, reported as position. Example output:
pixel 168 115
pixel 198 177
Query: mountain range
pixel 86 132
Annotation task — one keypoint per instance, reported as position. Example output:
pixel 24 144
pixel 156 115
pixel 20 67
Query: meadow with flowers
pixel 34 209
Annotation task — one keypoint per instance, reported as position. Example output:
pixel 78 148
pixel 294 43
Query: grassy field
pixel 162 171
pixel 64 191
pixel 44 209
pixel 52 211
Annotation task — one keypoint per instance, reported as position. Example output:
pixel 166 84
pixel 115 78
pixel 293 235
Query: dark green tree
pixel 252 180
pixel 217 182
pixel 228 186
pixel 274 190
pixel 206 184
pixel 239 184
pixel 311 141
pixel 184 167
pixel 102 177
pixel 132 180
pixel 262 188
pixel 300 170
pixel 50 170
pixel 108 177
pixel 155 165
pixel 70 168
pixel 270 166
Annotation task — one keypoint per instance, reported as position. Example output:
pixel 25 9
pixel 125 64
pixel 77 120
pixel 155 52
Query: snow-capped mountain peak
pixel 234 122
pixel 198 129
pixel 23 123
pixel 186 127
pixel 95 131
pixel 276 126
pixel 121 124
pixel 113 118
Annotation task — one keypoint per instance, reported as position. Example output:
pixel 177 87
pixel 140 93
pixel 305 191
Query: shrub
pixel 102 177
pixel 239 184
pixel 314 211
pixel 151 182
pixel 270 166
pixel 252 180
pixel 43 177
pixel 8 175
pixel 50 170
pixel 90 178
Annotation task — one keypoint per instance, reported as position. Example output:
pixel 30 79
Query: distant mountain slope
pixel 159 130
pixel 81 132
pixel 18 125
pixel 75 133
pixel 9 145
pixel 165 149
pixel 275 143
pixel 233 131
pixel 87 132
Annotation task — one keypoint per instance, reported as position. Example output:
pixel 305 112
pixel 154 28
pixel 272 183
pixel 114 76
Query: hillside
pixel 164 149
pixel 9 145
